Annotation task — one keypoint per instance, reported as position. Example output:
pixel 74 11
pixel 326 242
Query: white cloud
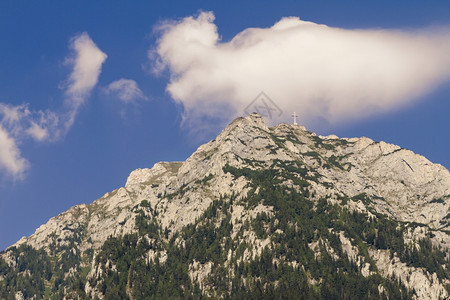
pixel 127 90
pixel 13 114
pixel 318 71
pixel 19 122
pixel 87 63
pixel 46 125
pixel 37 132
pixel 10 157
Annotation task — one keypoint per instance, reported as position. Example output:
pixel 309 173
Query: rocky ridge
pixel 358 174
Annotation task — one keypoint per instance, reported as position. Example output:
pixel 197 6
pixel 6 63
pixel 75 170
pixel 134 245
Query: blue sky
pixel 113 133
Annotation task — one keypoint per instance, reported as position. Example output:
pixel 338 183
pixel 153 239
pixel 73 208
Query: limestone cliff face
pixel 375 178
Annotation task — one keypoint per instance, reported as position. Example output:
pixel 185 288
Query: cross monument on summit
pixel 294 115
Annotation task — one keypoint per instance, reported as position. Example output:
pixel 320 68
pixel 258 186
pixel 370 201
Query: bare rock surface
pixel 402 185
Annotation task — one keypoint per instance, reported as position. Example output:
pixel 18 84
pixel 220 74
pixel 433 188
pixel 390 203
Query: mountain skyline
pixel 258 211
pixel 73 128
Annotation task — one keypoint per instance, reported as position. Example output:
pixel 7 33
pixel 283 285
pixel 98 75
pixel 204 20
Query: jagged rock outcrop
pixel 159 208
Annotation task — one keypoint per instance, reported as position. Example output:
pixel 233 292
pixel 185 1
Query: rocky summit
pixel 258 212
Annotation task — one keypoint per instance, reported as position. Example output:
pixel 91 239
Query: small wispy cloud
pixel 38 132
pixel 19 122
pixel 11 159
pixel 126 90
pixel 87 60
pixel 322 72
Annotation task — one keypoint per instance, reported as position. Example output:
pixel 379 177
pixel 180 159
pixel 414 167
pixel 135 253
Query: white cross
pixel 294 115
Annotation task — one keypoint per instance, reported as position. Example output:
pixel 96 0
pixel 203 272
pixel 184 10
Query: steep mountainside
pixel 257 212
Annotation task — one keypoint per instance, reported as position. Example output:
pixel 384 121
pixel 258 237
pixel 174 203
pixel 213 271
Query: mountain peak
pixel 237 206
pixel 252 120
pixel 257 120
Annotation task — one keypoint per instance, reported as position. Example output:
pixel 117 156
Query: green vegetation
pixel 320 143
pixel 333 160
pixel 38 274
pixel 438 200
pixel 279 142
pixel 178 193
pixel 205 180
pixel 303 256
pixel 32 269
pixel 286 268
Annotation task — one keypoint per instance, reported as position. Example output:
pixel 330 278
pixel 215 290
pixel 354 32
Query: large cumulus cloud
pixel 320 72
